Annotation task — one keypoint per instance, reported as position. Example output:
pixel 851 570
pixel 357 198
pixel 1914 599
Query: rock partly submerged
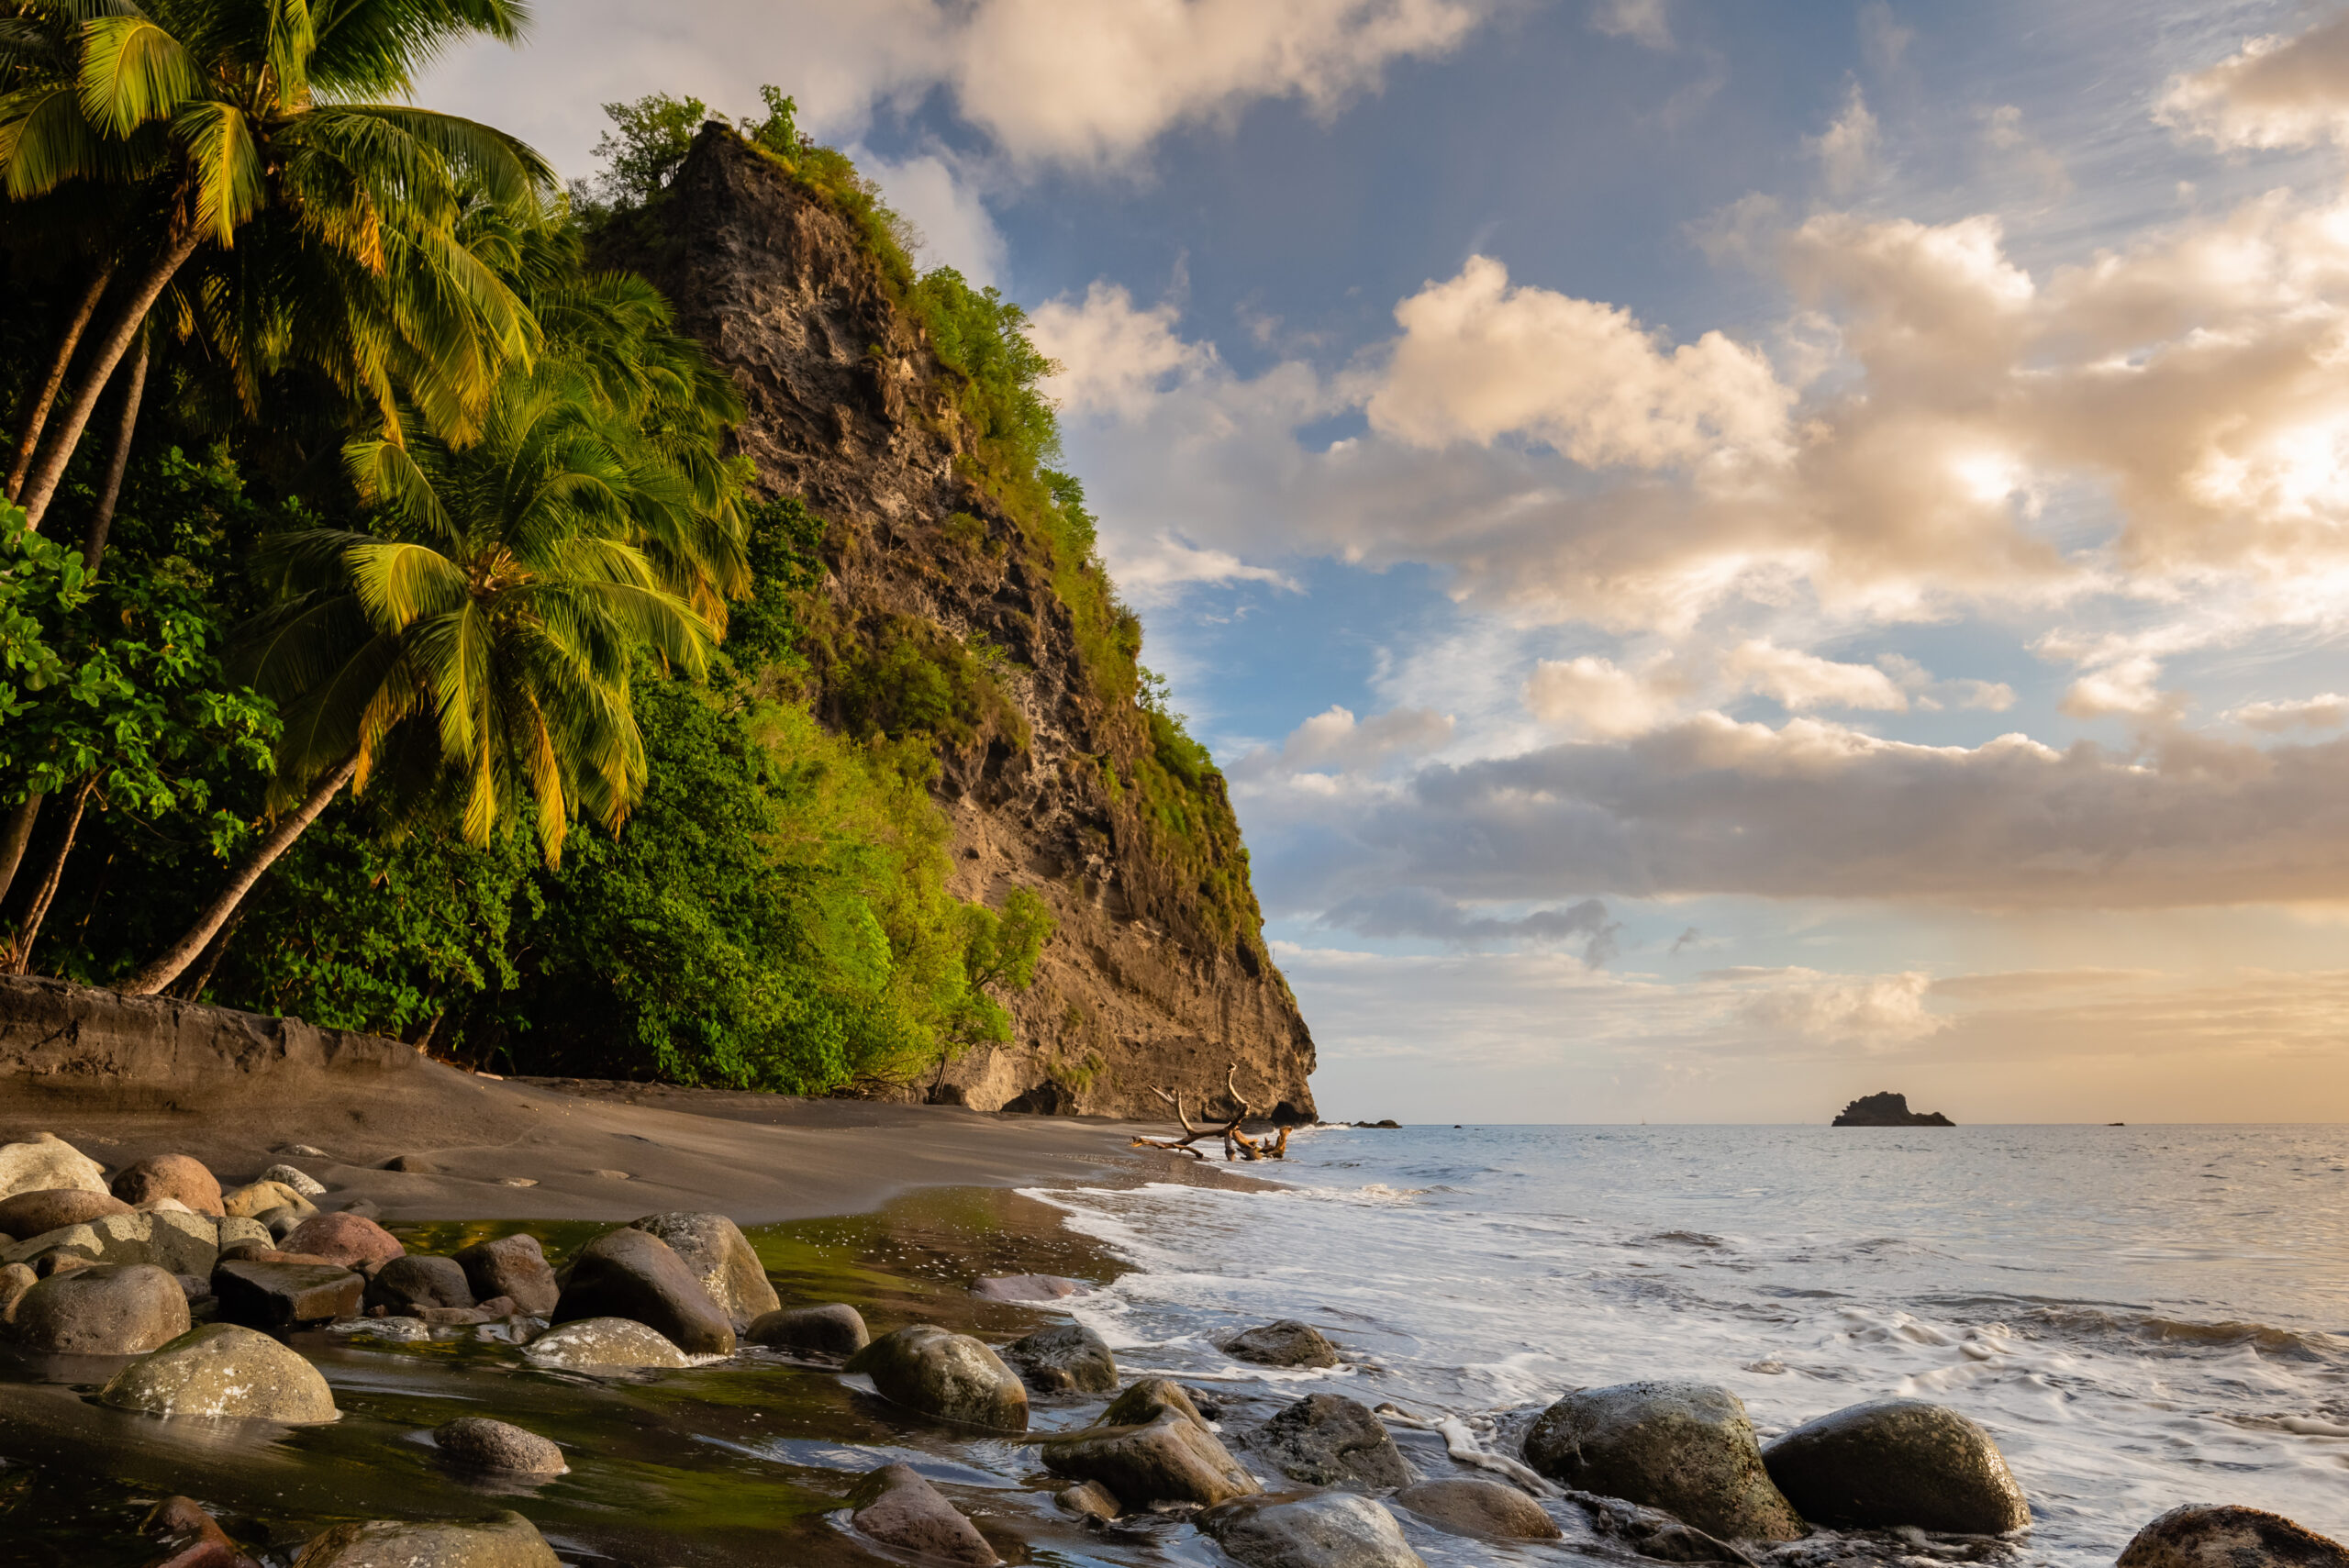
pixel 834 1329
pixel 952 1377
pixel 604 1344
pixel 223 1370
pixel 1687 1448
pixel 508 1541
pixel 1888 1109
pixel 1325 1530
pixel 896 1506
pixel 1891 1463
pixel 479 1443
pixel 1329 1439
pixel 125 1309
pixel 1484 1509
pixel 1064 1358
pixel 713 1248
pixel 1173 1458
pixel 1284 1343
pixel 2204 1535
pixel 513 1266
pixel 633 1274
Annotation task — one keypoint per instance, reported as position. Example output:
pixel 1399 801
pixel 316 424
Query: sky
pixel 1733 556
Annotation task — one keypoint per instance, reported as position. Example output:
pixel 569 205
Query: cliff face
pixel 1157 976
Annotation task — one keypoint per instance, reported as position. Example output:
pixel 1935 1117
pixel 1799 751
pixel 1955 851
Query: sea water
pixel 2140 1316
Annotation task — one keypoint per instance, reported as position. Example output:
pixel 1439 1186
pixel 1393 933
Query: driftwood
pixel 1237 1145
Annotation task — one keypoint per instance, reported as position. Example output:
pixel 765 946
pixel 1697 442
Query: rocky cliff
pixel 1158 974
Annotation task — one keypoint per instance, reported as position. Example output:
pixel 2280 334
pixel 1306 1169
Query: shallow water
pixel 2142 1317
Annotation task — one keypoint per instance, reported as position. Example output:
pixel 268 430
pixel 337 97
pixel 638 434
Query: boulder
pixel 603 1344
pixel 1089 1500
pixel 192 1537
pixel 721 1257
pixel 896 1508
pixel 259 1199
pixel 1484 1509
pixel 1147 1400
pixel 406 1284
pixel 16 1279
pixel 634 1273
pixel 1066 1358
pixel 2207 1535
pixel 476 1442
pixel 1286 1344
pixel 1898 1461
pixel 302 1181
pixel 179 1176
pixel 54 1208
pixel 834 1329
pixel 1172 1460
pixel 287 1295
pixel 234 1231
pixel 176 1243
pixel 509 1541
pixel 1332 1440
pixel 222 1368
pixel 46 1163
pixel 1687 1448
pixel 348 1238
pixel 115 1309
pixel 1328 1529
pixel 513 1266
pixel 952 1377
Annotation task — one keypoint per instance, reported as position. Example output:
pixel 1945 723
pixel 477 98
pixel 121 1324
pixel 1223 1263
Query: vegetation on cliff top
pixel 303 724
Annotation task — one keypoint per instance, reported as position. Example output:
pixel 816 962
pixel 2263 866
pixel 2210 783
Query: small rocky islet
pixel 206 1313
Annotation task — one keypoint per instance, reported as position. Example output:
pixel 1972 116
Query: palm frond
pixel 134 71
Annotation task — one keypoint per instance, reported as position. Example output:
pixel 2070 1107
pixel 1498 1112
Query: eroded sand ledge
pixel 128 1076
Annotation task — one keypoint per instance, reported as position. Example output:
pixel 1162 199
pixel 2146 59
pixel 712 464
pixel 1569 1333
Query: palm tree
pixel 478 652
pixel 222 113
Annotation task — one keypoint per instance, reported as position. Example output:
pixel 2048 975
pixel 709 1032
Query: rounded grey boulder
pixel 1898 1461
pixel 2205 1535
pixel 509 1541
pixel 1065 1357
pixel 113 1309
pixel 1172 1460
pixel 721 1257
pixel 950 1376
pixel 1484 1509
pixel 404 1285
pixel 1286 1344
pixel 897 1507
pixel 221 1369
pixel 833 1330
pixel 603 1344
pixel 1328 1529
pixel 476 1442
pixel 512 1266
pixel 1332 1440
pixel 633 1274
pixel 1687 1448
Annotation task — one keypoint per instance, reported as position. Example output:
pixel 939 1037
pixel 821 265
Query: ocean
pixel 2140 1316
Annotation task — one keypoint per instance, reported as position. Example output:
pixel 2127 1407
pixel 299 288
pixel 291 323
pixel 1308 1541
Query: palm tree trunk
pixel 20 950
pixel 184 952
pixel 14 838
pixel 94 545
pixel 40 488
pixel 36 414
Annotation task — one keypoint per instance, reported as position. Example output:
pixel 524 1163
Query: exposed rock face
pixel 1898 1461
pixel 1888 1109
pixel 1151 980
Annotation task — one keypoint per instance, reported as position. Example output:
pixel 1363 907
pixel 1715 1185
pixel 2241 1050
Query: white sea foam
pixel 2142 1317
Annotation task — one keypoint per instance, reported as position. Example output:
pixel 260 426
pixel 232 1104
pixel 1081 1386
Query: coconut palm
pixel 225 113
pixel 477 652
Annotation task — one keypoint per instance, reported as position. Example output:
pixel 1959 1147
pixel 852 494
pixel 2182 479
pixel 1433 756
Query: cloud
pixel 1811 809
pixel 1847 149
pixel 1113 359
pixel 1420 912
pixel 1479 359
pixel 2274 91
pixel 1156 571
pixel 2126 686
pixel 1336 741
pixel 1802 681
pixel 931 193
pixel 1642 21
pixel 1592 695
pixel 2329 711
pixel 1067 81
pixel 1876 1012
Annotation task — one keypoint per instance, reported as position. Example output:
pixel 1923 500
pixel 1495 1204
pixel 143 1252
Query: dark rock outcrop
pixel 1158 975
pixel 1888 1109
pixel 1898 1461
pixel 476 1442
pixel 1066 1358
pixel 835 1328
pixel 950 1376
pixel 1330 1440
pixel 721 1257
pixel 1286 1344
pixel 286 1295
pixel 896 1508
pixel 407 1285
pixel 632 1274
pixel 1172 1460
pixel 512 1266
pixel 1687 1448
